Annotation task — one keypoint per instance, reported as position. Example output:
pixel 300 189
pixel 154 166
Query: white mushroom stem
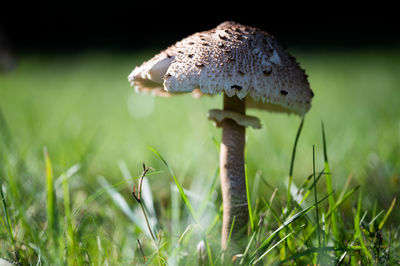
pixel 232 173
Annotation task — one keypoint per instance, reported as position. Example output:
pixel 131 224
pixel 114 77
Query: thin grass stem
pixel 289 196
pixel 316 199
pixel 8 225
pixel 329 188
pixel 387 213
pixel 248 198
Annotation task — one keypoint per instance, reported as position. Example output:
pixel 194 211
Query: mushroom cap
pixel 234 59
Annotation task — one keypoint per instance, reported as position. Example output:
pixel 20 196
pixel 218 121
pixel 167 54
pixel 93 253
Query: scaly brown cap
pixel 232 58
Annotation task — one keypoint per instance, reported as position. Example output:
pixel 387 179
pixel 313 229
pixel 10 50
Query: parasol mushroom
pixel 252 70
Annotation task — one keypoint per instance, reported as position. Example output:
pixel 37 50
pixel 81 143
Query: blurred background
pixel 127 26
pixel 63 85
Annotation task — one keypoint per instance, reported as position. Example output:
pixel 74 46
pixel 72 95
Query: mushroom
pixel 252 70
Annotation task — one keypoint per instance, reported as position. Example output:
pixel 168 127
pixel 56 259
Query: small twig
pixel 134 194
pixel 273 195
pixel 141 249
pixel 138 199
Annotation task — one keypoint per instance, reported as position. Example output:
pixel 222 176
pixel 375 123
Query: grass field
pixel 73 203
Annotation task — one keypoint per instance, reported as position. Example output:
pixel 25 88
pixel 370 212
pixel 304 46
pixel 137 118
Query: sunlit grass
pixel 97 133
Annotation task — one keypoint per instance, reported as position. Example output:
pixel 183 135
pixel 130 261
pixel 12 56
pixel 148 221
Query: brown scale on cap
pixel 273 79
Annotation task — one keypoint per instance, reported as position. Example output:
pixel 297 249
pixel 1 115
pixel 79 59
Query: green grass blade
pixel 289 197
pixel 345 187
pixel 215 221
pixel 290 220
pixel 94 196
pixel 246 251
pixel 387 214
pixel 185 199
pixel 67 208
pixel 269 239
pixel 248 198
pixel 51 199
pixel 211 190
pixel 357 225
pixel 5 210
pixel 230 231
pixel 273 212
pixel 316 199
pixel 308 179
pixel 271 248
pixel 70 243
pixel 119 201
pixel 329 187
pixel 187 231
pixel 316 179
pixel 8 224
pixel 216 143
pixel 308 192
pixel 343 199
pixel 375 217
pixel 350 246
pixel 311 251
pixel 66 175
pixel 183 194
pixel 209 253
pixel 338 204
pixel 324 142
pixel 5 134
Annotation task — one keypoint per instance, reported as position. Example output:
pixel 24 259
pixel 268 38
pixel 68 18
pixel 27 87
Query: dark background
pixel 124 26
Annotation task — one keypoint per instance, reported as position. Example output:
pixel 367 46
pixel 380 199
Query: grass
pixel 74 205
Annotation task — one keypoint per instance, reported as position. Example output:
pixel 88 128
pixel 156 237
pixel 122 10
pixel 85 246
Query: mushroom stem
pixel 232 173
